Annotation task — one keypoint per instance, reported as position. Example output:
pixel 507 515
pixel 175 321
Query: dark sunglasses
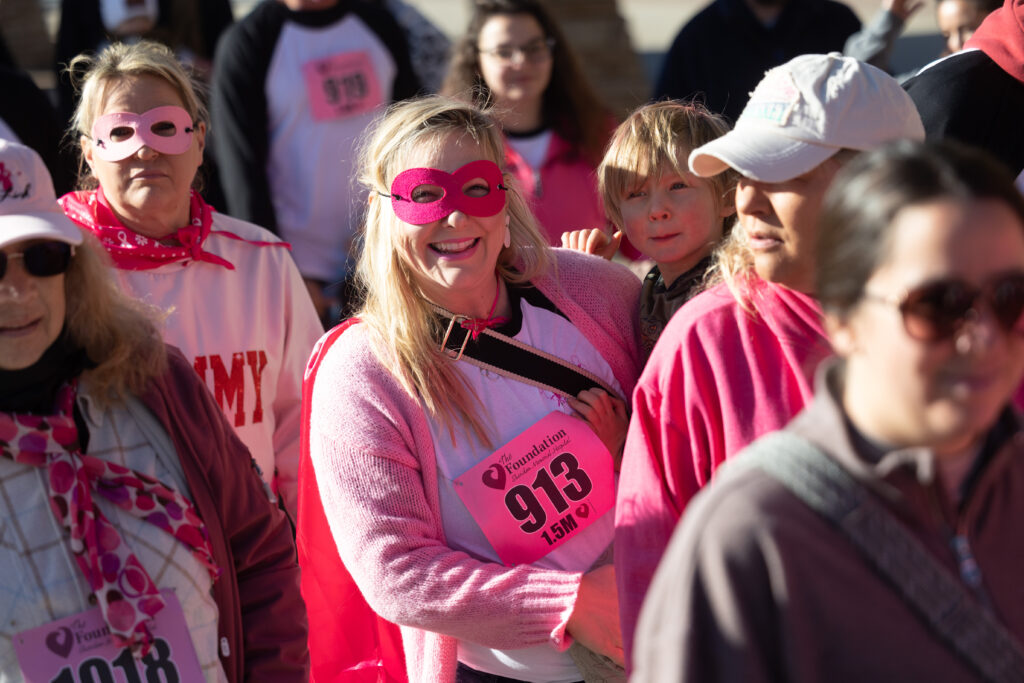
pixel 42 259
pixel 936 311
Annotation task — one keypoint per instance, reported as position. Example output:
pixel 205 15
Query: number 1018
pixel 158 668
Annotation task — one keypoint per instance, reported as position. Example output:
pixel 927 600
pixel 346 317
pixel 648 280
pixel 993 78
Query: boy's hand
pixel 606 415
pixel 592 241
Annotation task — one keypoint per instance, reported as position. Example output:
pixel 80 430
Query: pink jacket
pixel 562 193
pixel 374 458
pixel 719 377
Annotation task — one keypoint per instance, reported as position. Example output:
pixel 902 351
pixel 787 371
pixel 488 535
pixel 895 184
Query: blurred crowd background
pixel 621 42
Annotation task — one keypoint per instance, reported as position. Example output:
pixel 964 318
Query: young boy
pixel 670 215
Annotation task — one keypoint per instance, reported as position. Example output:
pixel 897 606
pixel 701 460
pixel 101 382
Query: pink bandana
pixel 132 251
pixel 424 195
pixel 125 592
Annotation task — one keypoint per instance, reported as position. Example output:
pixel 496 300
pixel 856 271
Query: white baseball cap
pixel 806 110
pixel 28 205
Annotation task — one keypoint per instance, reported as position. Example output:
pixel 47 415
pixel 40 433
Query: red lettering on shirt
pixel 257 360
pixel 229 387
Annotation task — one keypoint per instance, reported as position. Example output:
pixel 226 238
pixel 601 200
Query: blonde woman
pixel 236 305
pixel 128 501
pixel 408 409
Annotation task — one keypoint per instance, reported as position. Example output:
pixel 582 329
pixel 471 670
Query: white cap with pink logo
pixel 806 110
pixel 28 205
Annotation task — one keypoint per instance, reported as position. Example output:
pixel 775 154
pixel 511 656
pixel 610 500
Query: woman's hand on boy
pixel 592 241
pixel 607 416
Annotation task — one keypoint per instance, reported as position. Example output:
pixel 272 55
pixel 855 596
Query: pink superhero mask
pixel 424 195
pixel 119 135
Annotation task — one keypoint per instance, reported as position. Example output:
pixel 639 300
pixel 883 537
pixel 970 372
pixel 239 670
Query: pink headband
pixel 424 195
pixel 119 135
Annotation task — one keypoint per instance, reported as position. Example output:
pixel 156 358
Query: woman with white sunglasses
pixel 138 544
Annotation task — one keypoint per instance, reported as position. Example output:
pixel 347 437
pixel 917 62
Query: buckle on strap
pixel 465 340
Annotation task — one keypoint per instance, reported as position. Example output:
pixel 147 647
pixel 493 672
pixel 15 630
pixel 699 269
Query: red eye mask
pixel 424 195
pixel 117 136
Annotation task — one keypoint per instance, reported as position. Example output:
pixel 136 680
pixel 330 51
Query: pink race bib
pixel 540 489
pixel 342 86
pixel 79 649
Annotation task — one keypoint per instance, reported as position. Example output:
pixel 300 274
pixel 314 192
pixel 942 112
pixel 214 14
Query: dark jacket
pixel 757 586
pixel 723 52
pixel 262 619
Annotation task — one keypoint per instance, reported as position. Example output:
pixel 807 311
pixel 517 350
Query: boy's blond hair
pixel 652 139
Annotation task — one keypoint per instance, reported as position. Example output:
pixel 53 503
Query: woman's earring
pixel 508 233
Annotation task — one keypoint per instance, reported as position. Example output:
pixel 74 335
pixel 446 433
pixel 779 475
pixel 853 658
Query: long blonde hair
pixel 404 328
pixel 116 332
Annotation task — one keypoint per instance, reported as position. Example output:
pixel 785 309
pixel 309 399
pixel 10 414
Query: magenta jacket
pixel 261 618
pixel 371 447
pixel 562 193
pixel 719 377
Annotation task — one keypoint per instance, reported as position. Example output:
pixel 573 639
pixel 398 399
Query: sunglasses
pixel 43 259
pixel 938 310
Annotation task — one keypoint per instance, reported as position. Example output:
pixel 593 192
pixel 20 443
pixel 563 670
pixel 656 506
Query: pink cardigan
pixel 374 458
pixel 719 377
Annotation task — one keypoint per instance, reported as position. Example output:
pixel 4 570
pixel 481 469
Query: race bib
pixel 80 649
pixel 342 86
pixel 540 489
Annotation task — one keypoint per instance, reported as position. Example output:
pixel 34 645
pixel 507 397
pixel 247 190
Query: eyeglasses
pixel 43 259
pixel 535 51
pixel 936 311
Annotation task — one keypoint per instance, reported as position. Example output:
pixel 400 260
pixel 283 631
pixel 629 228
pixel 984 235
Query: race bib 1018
pixel 80 649
pixel 540 489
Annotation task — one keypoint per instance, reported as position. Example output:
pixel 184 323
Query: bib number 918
pixel 523 504
pixel 158 668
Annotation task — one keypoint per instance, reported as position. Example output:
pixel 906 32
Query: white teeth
pixel 452 247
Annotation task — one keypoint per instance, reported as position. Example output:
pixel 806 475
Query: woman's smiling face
pixel 453 259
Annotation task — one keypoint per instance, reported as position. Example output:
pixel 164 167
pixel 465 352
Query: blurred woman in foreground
pixel 878 536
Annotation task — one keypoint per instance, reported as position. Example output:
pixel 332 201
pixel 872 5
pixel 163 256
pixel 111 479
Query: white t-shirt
pixel 248 333
pixel 513 407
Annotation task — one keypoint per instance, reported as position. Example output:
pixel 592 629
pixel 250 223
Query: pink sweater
pixel 562 192
pixel 374 459
pixel 719 377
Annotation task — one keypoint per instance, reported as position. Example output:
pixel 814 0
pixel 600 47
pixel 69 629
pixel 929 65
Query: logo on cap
pixel 7 184
pixel 774 98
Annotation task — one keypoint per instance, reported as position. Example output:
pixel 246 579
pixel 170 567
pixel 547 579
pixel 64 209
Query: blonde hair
pixel 404 328
pixel 653 139
pixel 92 75
pixel 116 332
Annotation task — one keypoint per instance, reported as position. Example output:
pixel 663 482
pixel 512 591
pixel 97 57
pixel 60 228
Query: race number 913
pixel 523 504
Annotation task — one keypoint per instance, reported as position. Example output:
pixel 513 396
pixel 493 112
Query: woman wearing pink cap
pixel 466 496
pixel 235 303
pixel 137 542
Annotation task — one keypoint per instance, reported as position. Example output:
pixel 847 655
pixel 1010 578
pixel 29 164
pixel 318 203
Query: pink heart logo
pixel 583 510
pixel 60 642
pixel 494 476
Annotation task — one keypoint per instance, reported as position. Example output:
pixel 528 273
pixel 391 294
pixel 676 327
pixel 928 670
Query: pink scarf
pixel 125 592
pixel 132 251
